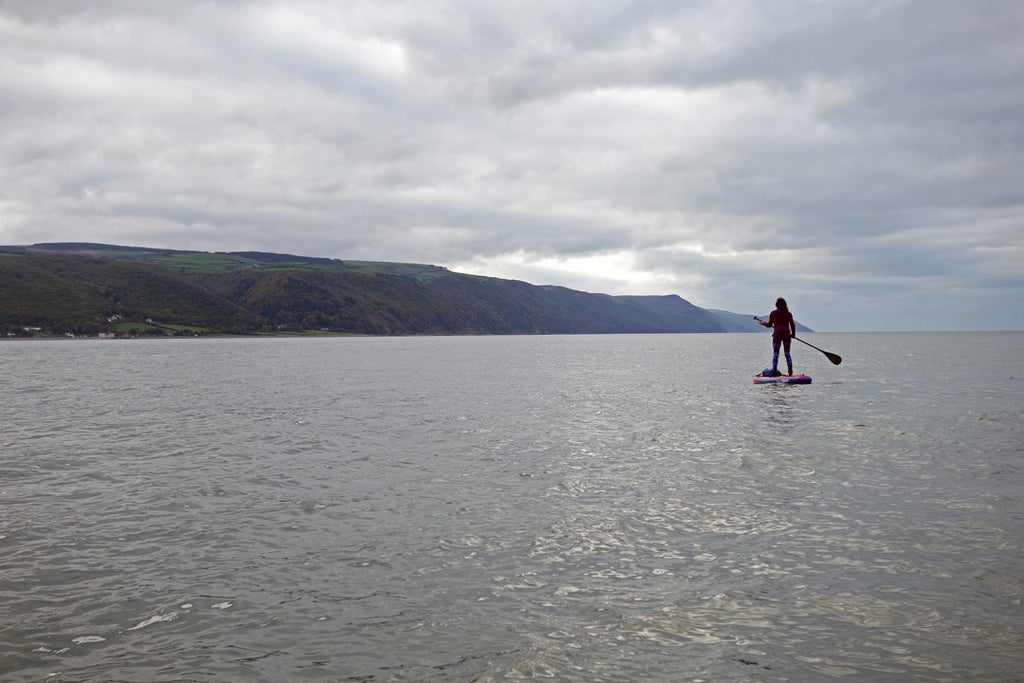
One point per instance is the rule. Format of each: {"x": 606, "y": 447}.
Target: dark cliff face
{"x": 84, "y": 288}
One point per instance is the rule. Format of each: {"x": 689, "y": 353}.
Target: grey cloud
{"x": 829, "y": 150}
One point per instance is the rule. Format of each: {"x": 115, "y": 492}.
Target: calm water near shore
{"x": 572, "y": 508}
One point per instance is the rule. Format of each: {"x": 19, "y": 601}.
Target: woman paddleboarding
{"x": 783, "y": 332}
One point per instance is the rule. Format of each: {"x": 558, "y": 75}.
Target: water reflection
{"x": 779, "y": 402}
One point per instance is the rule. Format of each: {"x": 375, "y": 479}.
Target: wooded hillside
{"x": 89, "y": 289}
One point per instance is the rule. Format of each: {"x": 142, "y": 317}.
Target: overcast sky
{"x": 862, "y": 158}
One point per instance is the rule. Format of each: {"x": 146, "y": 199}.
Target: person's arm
{"x": 792, "y": 326}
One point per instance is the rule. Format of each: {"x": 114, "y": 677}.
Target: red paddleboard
{"x": 783, "y": 379}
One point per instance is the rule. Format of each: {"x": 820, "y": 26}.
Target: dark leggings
{"x": 785, "y": 343}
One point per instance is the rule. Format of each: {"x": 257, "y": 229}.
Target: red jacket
{"x": 783, "y": 324}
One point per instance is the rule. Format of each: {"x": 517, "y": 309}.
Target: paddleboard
{"x": 784, "y": 379}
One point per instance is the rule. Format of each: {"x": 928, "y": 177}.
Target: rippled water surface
{"x": 600, "y": 508}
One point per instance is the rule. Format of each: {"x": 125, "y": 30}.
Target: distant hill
{"x": 677, "y": 314}
{"x": 90, "y": 289}
{"x": 85, "y": 296}
{"x": 736, "y": 322}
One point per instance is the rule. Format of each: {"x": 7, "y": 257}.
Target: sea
{"x": 554, "y": 508}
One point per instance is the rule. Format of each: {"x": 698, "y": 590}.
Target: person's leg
{"x": 775, "y": 354}
{"x": 789, "y": 358}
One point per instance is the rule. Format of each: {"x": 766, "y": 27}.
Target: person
{"x": 783, "y": 330}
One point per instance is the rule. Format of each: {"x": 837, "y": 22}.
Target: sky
{"x": 863, "y": 159}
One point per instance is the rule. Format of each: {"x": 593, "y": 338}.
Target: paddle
{"x": 834, "y": 357}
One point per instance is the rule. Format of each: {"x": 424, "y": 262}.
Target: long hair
{"x": 780, "y": 304}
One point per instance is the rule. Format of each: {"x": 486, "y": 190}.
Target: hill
{"x": 86, "y": 288}
{"x": 85, "y": 296}
{"x": 736, "y": 322}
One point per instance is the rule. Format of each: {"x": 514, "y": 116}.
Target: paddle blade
{"x": 834, "y": 357}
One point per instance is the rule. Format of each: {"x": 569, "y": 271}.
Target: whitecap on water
{"x": 88, "y": 639}
{"x": 170, "y": 616}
